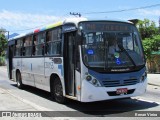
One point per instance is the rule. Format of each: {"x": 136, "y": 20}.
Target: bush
{"x": 2, "y": 61}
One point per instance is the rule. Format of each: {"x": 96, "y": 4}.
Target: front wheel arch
{"x": 57, "y": 89}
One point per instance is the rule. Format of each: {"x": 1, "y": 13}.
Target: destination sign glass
{"x": 105, "y": 26}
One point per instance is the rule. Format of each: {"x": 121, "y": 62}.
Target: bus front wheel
{"x": 57, "y": 91}
{"x": 19, "y": 80}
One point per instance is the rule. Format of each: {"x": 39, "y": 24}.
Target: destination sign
{"x": 68, "y": 28}
{"x": 105, "y": 26}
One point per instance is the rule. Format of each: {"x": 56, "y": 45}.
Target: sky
{"x": 22, "y": 16}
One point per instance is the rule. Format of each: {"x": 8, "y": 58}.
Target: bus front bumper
{"x": 90, "y": 93}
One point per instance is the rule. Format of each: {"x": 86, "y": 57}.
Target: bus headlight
{"x": 94, "y": 81}
{"x": 88, "y": 78}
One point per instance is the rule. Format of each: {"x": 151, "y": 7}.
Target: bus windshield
{"x": 111, "y": 46}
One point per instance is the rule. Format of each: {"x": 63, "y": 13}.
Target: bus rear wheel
{"x": 57, "y": 91}
{"x": 19, "y": 80}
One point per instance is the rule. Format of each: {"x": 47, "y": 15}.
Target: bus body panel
{"x": 35, "y": 72}
{"x": 78, "y": 85}
{"x": 91, "y": 93}
{"x": 17, "y": 65}
{"x": 54, "y": 65}
{"x": 37, "y": 66}
{"x": 27, "y": 73}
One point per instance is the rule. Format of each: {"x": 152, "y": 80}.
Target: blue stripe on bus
{"x": 31, "y": 66}
{"x": 117, "y": 76}
{"x": 61, "y": 68}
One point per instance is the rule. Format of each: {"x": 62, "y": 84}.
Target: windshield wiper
{"x": 123, "y": 49}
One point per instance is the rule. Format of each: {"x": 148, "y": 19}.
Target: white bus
{"x": 80, "y": 59}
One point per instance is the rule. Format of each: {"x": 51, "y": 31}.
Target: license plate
{"x": 122, "y": 90}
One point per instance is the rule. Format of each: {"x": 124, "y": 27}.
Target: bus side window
{"x": 48, "y": 42}
{"x": 27, "y": 46}
{"x": 54, "y": 39}
{"x": 18, "y": 48}
{"x": 39, "y": 44}
{"x": 53, "y": 42}
{"x": 34, "y": 45}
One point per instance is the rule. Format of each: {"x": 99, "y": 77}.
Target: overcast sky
{"x": 22, "y": 16}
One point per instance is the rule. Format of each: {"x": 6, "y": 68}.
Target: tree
{"x": 3, "y": 44}
{"x": 147, "y": 28}
{"x": 149, "y": 35}
{"x": 151, "y": 42}
{"x": 150, "y": 45}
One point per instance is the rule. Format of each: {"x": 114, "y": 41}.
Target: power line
{"x": 124, "y": 10}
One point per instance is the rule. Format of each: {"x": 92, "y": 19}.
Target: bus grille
{"x": 114, "y": 83}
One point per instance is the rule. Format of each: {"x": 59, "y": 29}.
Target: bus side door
{"x": 69, "y": 63}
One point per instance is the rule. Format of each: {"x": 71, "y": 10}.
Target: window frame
{"x": 24, "y": 47}
{"x": 59, "y": 32}
{"x": 52, "y": 41}
{"x": 19, "y": 47}
{"x": 38, "y": 44}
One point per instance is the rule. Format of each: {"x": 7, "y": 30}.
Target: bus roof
{"x": 66, "y": 21}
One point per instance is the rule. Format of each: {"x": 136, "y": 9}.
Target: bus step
{"x": 71, "y": 97}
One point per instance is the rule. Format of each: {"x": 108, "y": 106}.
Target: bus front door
{"x": 69, "y": 63}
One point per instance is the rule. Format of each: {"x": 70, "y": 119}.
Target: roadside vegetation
{"x": 3, "y": 46}
{"x": 150, "y": 35}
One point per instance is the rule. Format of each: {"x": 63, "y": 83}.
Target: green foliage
{"x": 3, "y": 45}
{"x": 150, "y": 38}
{"x": 147, "y": 28}
{"x": 147, "y": 43}
{"x": 2, "y": 60}
{"x": 150, "y": 45}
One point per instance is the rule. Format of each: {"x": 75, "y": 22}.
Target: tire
{"x": 57, "y": 91}
{"x": 19, "y": 80}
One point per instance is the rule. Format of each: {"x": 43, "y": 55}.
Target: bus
{"x": 81, "y": 59}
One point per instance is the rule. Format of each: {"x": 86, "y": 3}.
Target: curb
{"x": 153, "y": 84}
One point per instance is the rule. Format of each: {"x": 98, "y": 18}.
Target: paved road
{"x": 32, "y": 99}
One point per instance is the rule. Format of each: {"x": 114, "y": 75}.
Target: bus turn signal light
{"x": 79, "y": 87}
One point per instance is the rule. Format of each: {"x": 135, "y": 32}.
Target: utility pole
{"x": 75, "y": 14}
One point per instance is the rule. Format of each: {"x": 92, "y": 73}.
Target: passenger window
{"x": 18, "y": 48}
{"x": 53, "y": 42}
{"x": 38, "y": 44}
{"x": 27, "y": 46}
